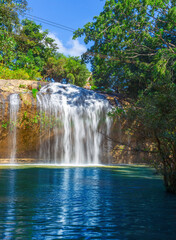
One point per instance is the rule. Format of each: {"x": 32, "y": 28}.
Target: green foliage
{"x": 39, "y": 87}
{"x": 134, "y": 44}
{"x": 76, "y": 71}
{"x": 6, "y": 73}
{"x": 93, "y": 87}
{"x": 4, "y": 124}
{"x": 9, "y": 13}
{"x": 22, "y": 86}
{"x": 34, "y": 47}
{"x": 7, "y": 46}
{"x": 135, "y": 50}
{"x": 117, "y": 112}
{"x": 70, "y": 68}
{"x": 9, "y": 23}
{"x": 155, "y": 112}
{"x": 28, "y": 53}
{"x": 39, "y": 118}
{"x": 34, "y": 92}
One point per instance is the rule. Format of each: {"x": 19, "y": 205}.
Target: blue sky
{"x": 72, "y": 13}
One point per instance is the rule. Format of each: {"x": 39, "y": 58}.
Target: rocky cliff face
{"x": 26, "y": 130}
{"x": 22, "y": 135}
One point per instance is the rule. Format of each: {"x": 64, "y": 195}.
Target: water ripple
{"x": 85, "y": 203}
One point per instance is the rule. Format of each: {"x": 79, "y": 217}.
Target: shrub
{"x": 22, "y": 86}
{"x": 34, "y": 75}
{"x": 39, "y": 87}
{"x": 20, "y": 74}
{"x": 6, "y": 73}
{"x": 94, "y": 87}
{"x": 34, "y": 92}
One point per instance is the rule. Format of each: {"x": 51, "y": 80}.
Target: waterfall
{"x": 76, "y": 118}
{"x": 2, "y": 106}
{"x": 14, "y": 108}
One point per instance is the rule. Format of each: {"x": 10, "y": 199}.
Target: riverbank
{"x": 120, "y": 167}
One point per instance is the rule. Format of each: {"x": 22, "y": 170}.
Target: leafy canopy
{"x": 133, "y": 42}
{"x": 26, "y": 51}
{"x": 134, "y": 49}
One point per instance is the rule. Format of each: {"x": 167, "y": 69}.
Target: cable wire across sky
{"x": 54, "y": 24}
{"x": 63, "y": 27}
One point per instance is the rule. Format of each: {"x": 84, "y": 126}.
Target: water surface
{"x": 85, "y": 203}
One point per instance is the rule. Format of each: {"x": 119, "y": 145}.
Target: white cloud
{"x": 72, "y": 47}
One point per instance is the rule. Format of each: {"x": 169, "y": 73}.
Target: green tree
{"x": 7, "y": 48}
{"x": 134, "y": 48}
{"x": 129, "y": 39}
{"x": 9, "y": 13}
{"x": 9, "y": 24}
{"x": 70, "y": 68}
{"x": 34, "y": 47}
{"x": 54, "y": 68}
{"x": 76, "y": 71}
{"x": 153, "y": 116}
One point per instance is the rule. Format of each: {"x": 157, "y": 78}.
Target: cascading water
{"x": 14, "y": 108}
{"x": 80, "y": 115}
{"x": 2, "y": 106}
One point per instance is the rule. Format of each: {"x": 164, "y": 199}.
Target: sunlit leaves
{"x": 134, "y": 46}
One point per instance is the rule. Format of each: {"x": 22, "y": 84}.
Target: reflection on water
{"x": 85, "y": 203}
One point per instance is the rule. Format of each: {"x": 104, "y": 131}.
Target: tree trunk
{"x": 170, "y": 182}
